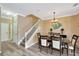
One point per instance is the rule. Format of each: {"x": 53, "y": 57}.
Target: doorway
{"x": 6, "y": 31}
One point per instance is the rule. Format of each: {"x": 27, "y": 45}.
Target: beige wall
{"x": 70, "y": 24}
{"x": 44, "y": 27}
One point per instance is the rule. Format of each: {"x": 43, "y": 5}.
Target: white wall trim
{"x": 66, "y": 15}
{"x": 73, "y": 14}
{"x": 30, "y": 45}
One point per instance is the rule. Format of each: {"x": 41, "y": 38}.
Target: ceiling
{"x": 42, "y": 10}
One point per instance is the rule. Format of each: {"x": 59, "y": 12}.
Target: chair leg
{"x": 40, "y": 49}
{"x": 62, "y": 50}
{"x": 60, "y": 53}
{"x": 51, "y": 51}
{"x": 47, "y": 50}
{"x": 67, "y": 50}
{"x": 74, "y": 52}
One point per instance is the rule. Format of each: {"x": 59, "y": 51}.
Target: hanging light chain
{"x": 54, "y": 15}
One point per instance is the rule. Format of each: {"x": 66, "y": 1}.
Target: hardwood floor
{"x": 11, "y": 49}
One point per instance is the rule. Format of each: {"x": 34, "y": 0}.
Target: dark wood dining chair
{"x": 72, "y": 44}
{"x": 44, "y": 42}
{"x": 63, "y": 37}
{"x": 56, "y": 42}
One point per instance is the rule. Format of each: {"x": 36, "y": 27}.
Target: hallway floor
{"x": 11, "y": 49}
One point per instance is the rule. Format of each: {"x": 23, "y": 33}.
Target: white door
{"x": 4, "y": 31}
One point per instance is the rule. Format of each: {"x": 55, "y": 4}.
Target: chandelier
{"x": 54, "y": 23}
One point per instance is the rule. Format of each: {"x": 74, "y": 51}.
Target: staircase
{"x": 29, "y": 34}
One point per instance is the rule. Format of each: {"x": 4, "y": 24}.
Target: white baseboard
{"x": 30, "y": 45}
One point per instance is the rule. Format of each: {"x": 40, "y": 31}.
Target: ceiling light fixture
{"x": 54, "y": 19}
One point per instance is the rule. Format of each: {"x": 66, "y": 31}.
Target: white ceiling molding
{"x": 69, "y": 15}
